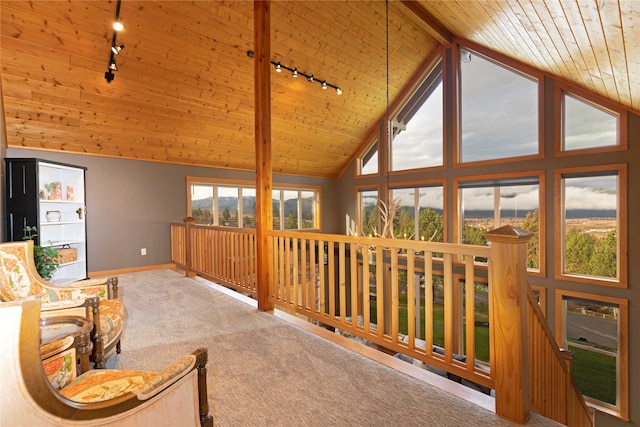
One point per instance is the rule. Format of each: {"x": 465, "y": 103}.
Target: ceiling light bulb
{"x": 339, "y": 91}
{"x": 278, "y": 69}
{"x": 294, "y": 73}
{"x": 118, "y": 26}
{"x": 116, "y": 49}
{"x": 324, "y": 85}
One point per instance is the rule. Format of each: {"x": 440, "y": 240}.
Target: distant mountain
{"x": 231, "y": 203}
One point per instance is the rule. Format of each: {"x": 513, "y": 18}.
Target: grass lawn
{"x": 481, "y": 332}
{"x": 595, "y": 374}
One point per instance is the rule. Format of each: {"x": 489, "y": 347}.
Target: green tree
{"x": 291, "y": 222}
{"x": 431, "y": 225}
{"x": 226, "y": 214}
{"x": 403, "y": 225}
{"x": 603, "y": 263}
{"x": 474, "y": 235}
{"x": 370, "y": 222}
{"x": 531, "y": 223}
{"x": 578, "y": 250}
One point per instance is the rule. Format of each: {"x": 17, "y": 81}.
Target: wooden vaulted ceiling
{"x": 184, "y": 89}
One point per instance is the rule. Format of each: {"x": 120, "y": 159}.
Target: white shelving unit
{"x": 50, "y": 196}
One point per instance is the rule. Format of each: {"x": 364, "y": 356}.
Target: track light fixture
{"x": 295, "y": 73}
{"x": 115, "y": 47}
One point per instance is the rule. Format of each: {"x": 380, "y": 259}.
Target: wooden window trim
{"x": 621, "y": 239}
{"x": 507, "y": 63}
{"x": 457, "y": 230}
{"x": 358, "y": 190}
{"x": 427, "y": 183}
{"x": 597, "y": 102}
{"x": 622, "y": 372}
{"x": 191, "y": 180}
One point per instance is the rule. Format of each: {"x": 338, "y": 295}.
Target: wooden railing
{"x": 553, "y": 390}
{"x": 225, "y": 255}
{"x": 352, "y": 284}
{"x": 365, "y": 287}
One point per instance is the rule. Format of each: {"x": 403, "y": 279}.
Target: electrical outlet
{"x": 143, "y": 251}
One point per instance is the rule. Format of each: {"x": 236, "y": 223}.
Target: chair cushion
{"x": 103, "y": 384}
{"x": 60, "y": 369}
{"x": 15, "y": 283}
{"x": 111, "y": 320}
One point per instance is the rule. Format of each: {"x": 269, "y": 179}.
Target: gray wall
{"x": 131, "y": 203}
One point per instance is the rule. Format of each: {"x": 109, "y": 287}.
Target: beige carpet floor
{"x": 264, "y": 371}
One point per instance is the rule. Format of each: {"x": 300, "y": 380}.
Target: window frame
{"x": 621, "y": 409}
{"x": 420, "y": 184}
{"x": 411, "y": 103}
{"x": 358, "y": 197}
{"x": 221, "y": 182}
{"x": 621, "y": 208}
{"x": 540, "y": 175}
{"x": 596, "y": 102}
{"x": 374, "y": 144}
{"x": 509, "y": 64}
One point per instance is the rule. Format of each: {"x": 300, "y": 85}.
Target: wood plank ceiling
{"x": 183, "y": 92}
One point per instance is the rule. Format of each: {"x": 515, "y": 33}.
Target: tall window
{"x": 590, "y": 220}
{"x": 498, "y": 113}
{"x": 368, "y": 208}
{"x": 418, "y": 127}
{"x": 492, "y": 203}
{"x": 235, "y": 206}
{"x": 419, "y": 213}
{"x": 591, "y": 327}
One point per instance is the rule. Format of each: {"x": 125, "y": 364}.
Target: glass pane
{"x": 308, "y": 209}
{"x": 404, "y": 222}
{"x": 486, "y": 208}
{"x": 248, "y": 208}
{"x": 418, "y": 142}
{"x": 499, "y": 111}
{"x": 430, "y": 214}
{"x": 290, "y": 210}
{"x": 202, "y": 204}
{"x": 228, "y": 206}
{"x": 276, "y": 209}
{"x": 592, "y": 334}
{"x": 586, "y": 126}
{"x": 590, "y": 226}
{"x": 481, "y": 319}
{"x": 369, "y": 212}
{"x": 369, "y": 162}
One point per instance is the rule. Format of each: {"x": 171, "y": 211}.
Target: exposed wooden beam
{"x": 437, "y": 30}
{"x": 264, "y": 179}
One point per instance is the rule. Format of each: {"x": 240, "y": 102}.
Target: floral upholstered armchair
{"x": 105, "y": 397}
{"x": 95, "y": 299}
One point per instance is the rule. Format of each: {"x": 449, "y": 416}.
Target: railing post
{"x": 188, "y": 222}
{"x": 509, "y": 321}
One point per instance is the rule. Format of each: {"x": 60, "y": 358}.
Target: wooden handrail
{"x": 337, "y": 280}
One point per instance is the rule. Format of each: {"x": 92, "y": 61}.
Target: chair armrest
{"x": 110, "y": 283}
{"x": 54, "y": 347}
{"x": 58, "y": 305}
{"x": 165, "y": 378}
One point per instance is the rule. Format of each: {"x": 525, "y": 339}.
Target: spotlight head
{"x": 113, "y": 66}
{"x": 108, "y": 76}
{"x": 324, "y": 85}
{"x": 310, "y": 78}
{"x": 339, "y": 91}
{"x": 278, "y": 68}
{"x": 294, "y": 73}
{"x": 118, "y": 26}
{"x": 116, "y": 49}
